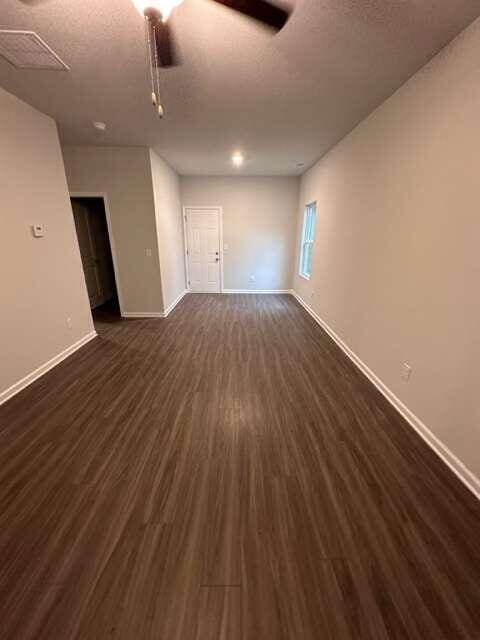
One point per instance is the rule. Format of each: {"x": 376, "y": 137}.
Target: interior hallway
{"x": 226, "y": 473}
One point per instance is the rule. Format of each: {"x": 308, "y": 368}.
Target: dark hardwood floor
{"x": 228, "y": 474}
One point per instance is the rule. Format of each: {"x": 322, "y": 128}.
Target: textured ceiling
{"x": 283, "y": 100}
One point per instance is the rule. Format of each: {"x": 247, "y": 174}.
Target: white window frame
{"x": 309, "y": 241}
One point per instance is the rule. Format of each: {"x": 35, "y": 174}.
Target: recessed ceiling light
{"x": 99, "y": 126}
{"x": 237, "y": 159}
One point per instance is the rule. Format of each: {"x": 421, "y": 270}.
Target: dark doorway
{"x": 96, "y": 252}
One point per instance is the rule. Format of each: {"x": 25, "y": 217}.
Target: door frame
{"x": 220, "y": 238}
{"x": 103, "y": 196}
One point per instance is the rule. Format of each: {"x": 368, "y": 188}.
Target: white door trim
{"x": 103, "y": 195}
{"x": 220, "y": 238}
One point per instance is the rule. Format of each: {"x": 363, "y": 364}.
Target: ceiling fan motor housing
{"x": 153, "y": 15}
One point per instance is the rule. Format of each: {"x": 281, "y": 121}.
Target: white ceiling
{"x": 282, "y": 100}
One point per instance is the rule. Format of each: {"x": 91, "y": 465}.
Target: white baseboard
{"x": 154, "y": 314}
{"x": 171, "y": 307}
{"x": 24, "y": 382}
{"x": 468, "y": 478}
{"x": 142, "y": 314}
{"x": 258, "y": 291}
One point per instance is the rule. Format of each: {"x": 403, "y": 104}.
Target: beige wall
{"x": 259, "y": 222}
{"x": 396, "y": 266}
{"x": 123, "y": 173}
{"x": 42, "y": 282}
{"x": 168, "y": 214}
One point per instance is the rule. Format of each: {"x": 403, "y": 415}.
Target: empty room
{"x": 240, "y": 311}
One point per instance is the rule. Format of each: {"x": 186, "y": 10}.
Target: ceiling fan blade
{"x": 164, "y": 44}
{"x": 268, "y": 14}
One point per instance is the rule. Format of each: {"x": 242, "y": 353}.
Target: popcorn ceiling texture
{"x": 283, "y": 100}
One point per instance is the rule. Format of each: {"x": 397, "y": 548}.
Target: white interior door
{"x": 203, "y": 249}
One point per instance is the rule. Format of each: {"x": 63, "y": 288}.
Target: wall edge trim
{"x": 172, "y": 306}
{"x": 467, "y": 477}
{"x": 46, "y": 366}
{"x": 258, "y": 291}
{"x": 142, "y": 314}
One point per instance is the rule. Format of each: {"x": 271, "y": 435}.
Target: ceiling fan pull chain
{"x": 160, "y": 110}
{"x": 148, "y": 38}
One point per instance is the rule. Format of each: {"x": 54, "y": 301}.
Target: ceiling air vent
{"x": 26, "y": 50}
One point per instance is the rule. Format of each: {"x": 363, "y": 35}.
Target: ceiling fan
{"x": 159, "y": 38}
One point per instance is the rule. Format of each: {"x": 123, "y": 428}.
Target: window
{"x": 308, "y": 238}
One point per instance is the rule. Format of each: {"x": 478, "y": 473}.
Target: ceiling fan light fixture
{"x": 160, "y": 41}
{"x": 164, "y": 7}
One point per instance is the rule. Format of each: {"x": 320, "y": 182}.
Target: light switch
{"x": 38, "y": 230}
{"x": 148, "y": 253}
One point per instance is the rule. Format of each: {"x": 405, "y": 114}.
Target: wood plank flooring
{"x": 226, "y": 474}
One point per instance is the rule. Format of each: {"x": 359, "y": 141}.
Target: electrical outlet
{"x": 148, "y": 253}
{"x": 406, "y": 372}
{"x": 69, "y": 323}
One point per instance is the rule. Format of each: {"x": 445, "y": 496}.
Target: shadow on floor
{"x": 107, "y": 312}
